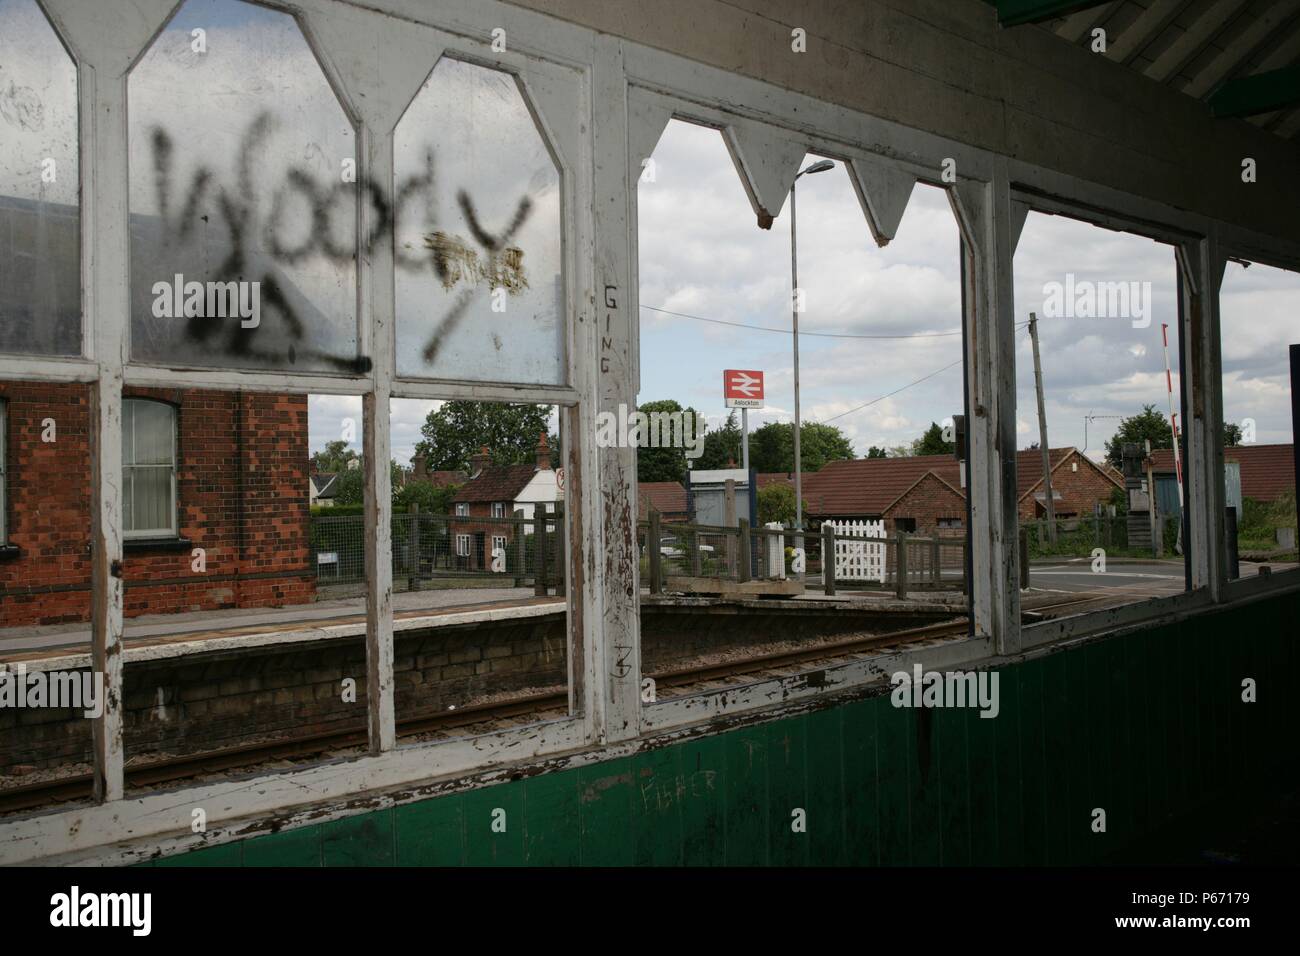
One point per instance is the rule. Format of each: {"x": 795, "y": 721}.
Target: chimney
{"x": 418, "y": 464}
{"x": 543, "y": 454}
{"x": 478, "y": 462}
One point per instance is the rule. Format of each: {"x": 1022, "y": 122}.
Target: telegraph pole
{"x": 1042, "y": 431}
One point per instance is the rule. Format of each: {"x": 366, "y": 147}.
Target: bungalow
{"x": 926, "y": 494}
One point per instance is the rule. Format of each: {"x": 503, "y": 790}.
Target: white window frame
{"x": 498, "y": 541}
{"x": 600, "y": 276}
{"x": 462, "y": 509}
{"x": 498, "y": 509}
{"x": 462, "y": 546}
{"x": 128, "y": 476}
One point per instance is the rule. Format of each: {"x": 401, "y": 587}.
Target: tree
{"x": 334, "y": 457}
{"x": 667, "y": 464}
{"x": 1231, "y": 434}
{"x": 432, "y": 499}
{"x": 933, "y": 442}
{"x": 722, "y": 445}
{"x": 776, "y": 503}
{"x": 350, "y": 487}
{"x": 771, "y": 448}
{"x": 458, "y": 429}
{"x": 874, "y": 452}
{"x": 1149, "y": 424}
{"x": 900, "y": 451}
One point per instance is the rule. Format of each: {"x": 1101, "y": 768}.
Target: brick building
{"x": 924, "y": 494}
{"x": 220, "y": 471}
{"x": 492, "y": 495}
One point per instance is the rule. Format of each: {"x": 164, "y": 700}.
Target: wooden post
{"x": 653, "y": 552}
{"x": 561, "y": 551}
{"x": 413, "y": 547}
{"x": 935, "y": 577}
{"x": 520, "y": 525}
{"x": 729, "y": 519}
{"x": 828, "y": 558}
{"x": 900, "y": 565}
{"x": 539, "y": 549}
{"x": 1024, "y": 558}
{"x": 745, "y": 567}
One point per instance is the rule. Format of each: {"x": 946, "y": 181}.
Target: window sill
{"x": 138, "y": 545}
{"x": 9, "y": 552}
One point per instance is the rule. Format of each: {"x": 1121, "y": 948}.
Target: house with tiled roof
{"x": 1267, "y": 471}
{"x": 927, "y": 493}
{"x": 666, "y": 497}
{"x": 494, "y": 493}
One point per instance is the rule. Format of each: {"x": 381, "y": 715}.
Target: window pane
{"x": 154, "y": 429}
{"x": 243, "y": 246}
{"x": 151, "y": 492}
{"x": 40, "y": 269}
{"x": 479, "y": 287}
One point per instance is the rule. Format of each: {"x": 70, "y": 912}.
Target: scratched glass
{"x": 243, "y": 198}
{"x": 40, "y": 251}
{"x": 480, "y": 291}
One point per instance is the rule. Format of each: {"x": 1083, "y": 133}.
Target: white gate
{"x": 859, "y": 560}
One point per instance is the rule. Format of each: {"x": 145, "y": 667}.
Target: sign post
{"x": 743, "y": 389}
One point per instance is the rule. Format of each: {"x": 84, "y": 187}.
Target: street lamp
{"x": 818, "y": 167}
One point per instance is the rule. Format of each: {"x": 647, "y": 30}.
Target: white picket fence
{"x": 859, "y": 560}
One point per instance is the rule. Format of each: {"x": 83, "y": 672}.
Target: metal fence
{"x": 447, "y": 551}
{"x": 687, "y": 555}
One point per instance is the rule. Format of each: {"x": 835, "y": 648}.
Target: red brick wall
{"x": 241, "y": 494}
{"x": 927, "y": 501}
{"x": 1078, "y": 491}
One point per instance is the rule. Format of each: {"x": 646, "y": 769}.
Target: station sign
{"x": 742, "y": 388}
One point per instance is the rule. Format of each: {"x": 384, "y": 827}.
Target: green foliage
{"x": 350, "y": 487}
{"x": 667, "y": 464}
{"x": 1257, "y": 526}
{"x": 933, "y": 442}
{"x": 776, "y": 503}
{"x": 771, "y": 448}
{"x": 432, "y": 500}
{"x": 874, "y": 452}
{"x": 458, "y": 429}
{"x": 722, "y": 445}
{"x": 1147, "y": 424}
{"x": 334, "y": 457}
{"x": 1231, "y": 434}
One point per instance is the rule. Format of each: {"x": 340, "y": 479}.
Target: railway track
{"x": 171, "y": 770}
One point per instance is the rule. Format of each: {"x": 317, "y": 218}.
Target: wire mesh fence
{"x": 446, "y": 551}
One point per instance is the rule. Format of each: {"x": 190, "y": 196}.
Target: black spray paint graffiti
{"x": 236, "y": 207}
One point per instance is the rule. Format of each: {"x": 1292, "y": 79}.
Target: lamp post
{"x": 818, "y": 167}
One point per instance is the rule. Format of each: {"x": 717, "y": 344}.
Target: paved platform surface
{"x": 196, "y": 625}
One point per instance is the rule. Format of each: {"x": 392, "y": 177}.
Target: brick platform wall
{"x": 241, "y": 486}
{"x": 206, "y": 702}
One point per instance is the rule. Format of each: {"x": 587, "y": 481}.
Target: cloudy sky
{"x": 702, "y": 255}
{"x": 879, "y": 350}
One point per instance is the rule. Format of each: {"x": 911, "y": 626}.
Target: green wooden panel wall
{"x": 1149, "y": 727}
